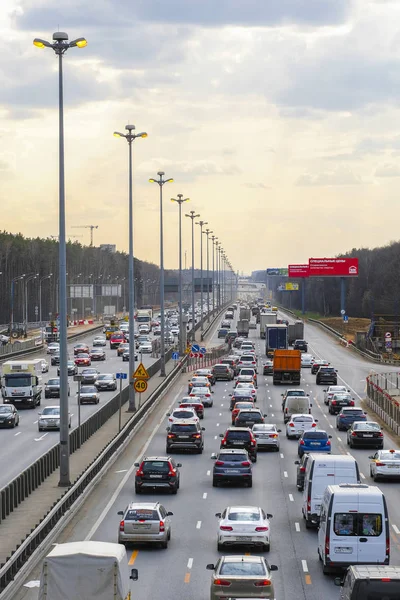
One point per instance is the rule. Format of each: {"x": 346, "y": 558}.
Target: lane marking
{"x": 270, "y": 405}
{"x": 285, "y": 473}
{"x": 34, "y": 422}
{"x": 349, "y": 453}
{"x": 272, "y": 415}
{"x": 204, "y": 495}
{"x": 187, "y": 578}
{"x": 396, "y": 529}
{"x": 339, "y": 439}
{"x": 304, "y": 565}
{"x": 220, "y": 415}
{"x": 331, "y": 426}
{"x": 121, "y": 471}
{"x": 198, "y": 525}
{"x": 282, "y": 456}
{"x": 133, "y": 557}
{"x": 215, "y": 437}
{"x": 190, "y": 563}
{"x": 308, "y": 579}
{"x": 208, "y": 473}
{"x": 42, "y": 437}
{"x": 222, "y": 405}
{"x": 297, "y": 527}
{"x": 19, "y": 433}
{"x": 217, "y": 424}
{"x": 362, "y": 475}
{"x": 291, "y": 498}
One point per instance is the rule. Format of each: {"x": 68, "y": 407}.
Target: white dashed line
{"x": 208, "y": 473}
{"x": 331, "y": 426}
{"x": 217, "y": 424}
{"x": 19, "y": 433}
{"x": 204, "y": 495}
{"x": 339, "y": 439}
{"x": 291, "y": 498}
{"x": 222, "y": 405}
{"x": 282, "y": 456}
{"x": 270, "y": 405}
{"x": 297, "y": 527}
{"x": 190, "y": 563}
{"x": 304, "y": 565}
{"x": 215, "y": 437}
{"x": 220, "y": 415}
{"x": 285, "y": 473}
{"x": 198, "y": 525}
{"x": 349, "y": 453}
{"x": 396, "y": 529}
{"x": 362, "y": 475}
{"x": 272, "y": 415}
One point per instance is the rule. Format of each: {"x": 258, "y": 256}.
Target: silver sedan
{"x": 244, "y": 576}
{"x": 267, "y": 436}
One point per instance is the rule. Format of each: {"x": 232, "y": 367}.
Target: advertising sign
{"x": 299, "y": 271}
{"x": 333, "y": 267}
{"x": 279, "y": 272}
{"x": 292, "y": 287}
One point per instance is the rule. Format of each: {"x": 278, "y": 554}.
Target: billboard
{"x": 299, "y": 271}
{"x": 279, "y": 272}
{"x": 288, "y": 287}
{"x": 333, "y": 267}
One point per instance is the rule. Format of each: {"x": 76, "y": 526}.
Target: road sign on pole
{"x": 195, "y": 348}
{"x": 203, "y": 350}
{"x": 140, "y": 385}
{"x": 121, "y": 375}
{"x": 141, "y": 372}
{"x": 175, "y": 356}
{"x": 345, "y": 318}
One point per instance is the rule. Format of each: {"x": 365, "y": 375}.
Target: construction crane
{"x": 91, "y": 227}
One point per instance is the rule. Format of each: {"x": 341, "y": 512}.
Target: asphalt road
{"x": 179, "y": 572}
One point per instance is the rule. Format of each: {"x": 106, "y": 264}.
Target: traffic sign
{"x": 388, "y": 335}
{"x": 203, "y": 350}
{"x": 201, "y": 355}
{"x": 175, "y": 356}
{"x": 121, "y": 375}
{"x": 140, "y": 385}
{"x": 345, "y": 318}
{"x": 141, "y": 372}
{"x": 187, "y": 350}
{"x": 195, "y": 348}
{"x": 342, "y": 312}
{"x": 194, "y": 354}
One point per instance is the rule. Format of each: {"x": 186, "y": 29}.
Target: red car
{"x": 83, "y": 360}
{"x": 81, "y": 348}
{"x": 116, "y": 339}
{"x": 193, "y": 403}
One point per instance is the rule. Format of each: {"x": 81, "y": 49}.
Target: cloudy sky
{"x": 279, "y": 119}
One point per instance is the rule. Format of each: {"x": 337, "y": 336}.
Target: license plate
{"x": 237, "y": 442}
{"x": 368, "y": 435}
{"x": 183, "y": 437}
{"x": 262, "y": 435}
{"x": 300, "y": 431}
{"x": 17, "y": 399}
{"x": 392, "y": 466}
{"x": 141, "y": 526}
{"x": 315, "y": 444}
{"x": 343, "y": 550}
{"x": 233, "y": 471}
{"x": 244, "y": 538}
{"x": 317, "y": 507}
{"x": 155, "y": 476}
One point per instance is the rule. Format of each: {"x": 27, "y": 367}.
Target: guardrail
{"x": 383, "y": 397}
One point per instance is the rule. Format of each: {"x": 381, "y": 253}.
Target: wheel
{"x": 174, "y": 490}
{"x": 326, "y": 570}
{"x": 308, "y": 524}
{"x": 351, "y": 445}
{"x": 254, "y": 459}
{"x": 169, "y": 535}
{"x": 200, "y": 451}
{"x": 137, "y": 490}
{"x": 17, "y": 423}
{"x": 375, "y": 477}
{"x": 215, "y": 483}
{"x": 250, "y": 483}
{"x": 40, "y": 429}
{"x": 319, "y": 555}
{"x": 164, "y": 545}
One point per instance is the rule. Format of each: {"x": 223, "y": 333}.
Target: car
{"x": 174, "y": 331}
{"x": 300, "y": 345}
{"x": 157, "y": 331}
{"x": 339, "y": 401}
{"x": 198, "y": 381}
{"x": 203, "y": 394}
{"x": 226, "y": 324}
{"x": 314, "y": 441}
{"x": 205, "y": 373}
{"x": 116, "y": 339}
{"x": 144, "y": 329}
{"x": 240, "y": 437}
{"x": 238, "y": 341}
{"x": 246, "y": 386}
{"x": 301, "y": 471}
{"x": 247, "y": 417}
{"x": 55, "y": 359}
{"x": 81, "y": 349}
{"x": 318, "y": 362}
{"x": 83, "y": 360}
{"x": 182, "y": 413}
{"x": 240, "y": 406}
{"x": 88, "y": 394}
{"x": 334, "y": 389}
{"x": 97, "y": 354}
{"x": 252, "y": 325}
{"x": 105, "y": 382}
{"x": 247, "y": 346}
{"x": 100, "y": 340}
{"x": 385, "y": 464}
{"x": 364, "y": 434}
{"x": 52, "y": 388}
{"x": 247, "y": 360}
{"x": 146, "y": 522}
{"x": 221, "y": 371}
{"x": 298, "y": 424}
{"x": 245, "y": 576}
{"x": 193, "y": 402}
{"x": 326, "y": 375}
{"x": 49, "y": 418}
{"x": 157, "y": 472}
{"x": 222, "y": 332}
{"x": 110, "y": 330}
{"x": 232, "y": 465}
{"x": 232, "y": 362}
{"x": 291, "y": 392}
{"x": 244, "y": 379}
{"x": 169, "y": 338}
{"x": 240, "y": 394}
{"x": 249, "y": 371}
{"x": 306, "y": 361}
{"x": 268, "y": 367}
{"x": 244, "y": 526}
{"x": 145, "y": 348}
{"x": 72, "y": 368}
{"x": 125, "y": 355}
{"x": 267, "y": 436}
{"x": 347, "y": 416}
{"x": 45, "y": 365}
{"x": 89, "y": 375}
{"x": 185, "y": 435}
{"x": 9, "y": 416}
{"x": 53, "y": 347}
{"x": 230, "y": 337}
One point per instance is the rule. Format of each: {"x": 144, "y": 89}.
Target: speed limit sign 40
{"x": 140, "y": 385}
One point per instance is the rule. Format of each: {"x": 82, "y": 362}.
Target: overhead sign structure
{"x": 278, "y": 272}
{"x": 140, "y": 385}
{"x": 333, "y": 267}
{"x": 141, "y": 372}
{"x": 299, "y": 271}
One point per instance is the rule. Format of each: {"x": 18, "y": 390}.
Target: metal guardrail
{"x": 383, "y": 397}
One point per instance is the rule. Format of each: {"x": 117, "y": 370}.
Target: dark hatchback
{"x": 339, "y": 401}
{"x": 222, "y": 372}
{"x": 240, "y": 437}
{"x": 240, "y": 395}
{"x": 365, "y": 435}
{"x": 300, "y": 345}
{"x": 249, "y": 417}
{"x": 160, "y": 472}
{"x": 72, "y": 368}
{"x": 326, "y": 375}
{"x": 348, "y": 415}
{"x": 185, "y": 436}
{"x": 52, "y": 388}
{"x": 232, "y": 466}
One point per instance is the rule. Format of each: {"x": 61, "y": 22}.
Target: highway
{"x": 179, "y": 572}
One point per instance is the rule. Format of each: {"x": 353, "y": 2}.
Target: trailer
{"x": 266, "y": 318}
{"x": 287, "y": 367}
{"x": 295, "y": 332}
{"x": 275, "y": 339}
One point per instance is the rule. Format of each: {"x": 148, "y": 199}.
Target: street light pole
{"x": 193, "y": 216}
{"x": 29, "y": 278}
{"x": 201, "y": 223}
{"x": 213, "y": 237}
{"x": 40, "y": 303}
{"x": 130, "y": 137}
{"x": 207, "y": 233}
{"x": 161, "y": 182}
{"x": 13, "y": 280}
{"x": 60, "y": 45}
{"x": 180, "y": 200}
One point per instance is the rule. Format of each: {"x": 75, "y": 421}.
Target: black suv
{"x": 185, "y": 435}
{"x": 249, "y": 417}
{"x": 52, "y": 388}
{"x": 326, "y": 375}
{"x": 160, "y": 472}
{"x": 300, "y": 345}
{"x": 240, "y": 437}
{"x": 232, "y": 466}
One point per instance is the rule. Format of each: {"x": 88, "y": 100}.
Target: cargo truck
{"x": 266, "y": 318}
{"x": 245, "y": 313}
{"x": 86, "y": 571}
{"x": 286, "y": 367}
{"x": 144, "y": 316}
{"x": 275, "y": 339}
{"x": 21, "y": 383}
{"x": 243, "y": 327}
{"x": 295, "y": 332}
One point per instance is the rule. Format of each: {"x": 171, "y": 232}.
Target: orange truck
{"x": 286, "y": 367}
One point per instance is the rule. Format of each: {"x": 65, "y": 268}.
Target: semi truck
{"x": 275, "y": 339}
{"x": 245, "y": 313}
{"x": 21, "y": 383}
{"x": 243, "y": 327}
{"x": 266, "y": 318}
{"x": 295, "y": 332}
{"x": 286, "y": 367}
{"x": 86, "y": 571}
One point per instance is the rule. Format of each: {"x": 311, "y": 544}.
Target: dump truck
{"x": 21, "y": 383}
{"x": 286, "y": 367}
{"x": 275, "y": 339}
{"x": 266, "y": 318}
{"x": 86, "y": 571}
{"x": 243, "y": 327}
{"x": 245, "y": 313}
{"x": 295, "y": 332}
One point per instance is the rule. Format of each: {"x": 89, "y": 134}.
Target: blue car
{"x": 314, "y": 441}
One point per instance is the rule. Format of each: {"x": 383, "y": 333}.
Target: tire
{"x": 169, "y": 535}
{"x": 254, "y": 459}
{"x": 137, "y": 490}
{"x": 250, "y": 483}
{"x": 308, "y": 524}
{"x": 215, "y": 483}
{"x": 40, "y": 429}
{"x": 200, "y": 451}
{"x": 375, "y": 477}
{"x": 326, "y": 570}
{"x": 174, "y": 490}
{"x": 351, "y": 445}
{"x": 164, "y": 545}
{"x": 17, "y": 424}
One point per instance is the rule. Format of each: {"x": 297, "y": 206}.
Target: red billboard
{"x": 299, "y": 270}
{"x": 333, "y": 267}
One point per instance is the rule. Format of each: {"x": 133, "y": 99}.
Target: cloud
{"x": 388, "y": 170}
{"x": 340, "y": 176}
{"x": 257, "y": 186}
{"x": 187, "y": 170}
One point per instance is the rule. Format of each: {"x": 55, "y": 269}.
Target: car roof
{"x": 153, "y": 505}
{"x": 243, "y": 508}
{"x": 232, "y": 450}
{"x": 245, "y": 558}
{"x": 351, "y": 408}
{"x": 159, "y": 458}
{"x": 185, "y": 422}
{"x": 238, "y": 429}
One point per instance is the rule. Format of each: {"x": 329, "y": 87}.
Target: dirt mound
{"x": 348, "y": 329}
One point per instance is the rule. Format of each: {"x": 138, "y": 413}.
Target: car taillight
{"x": 291, "y": 424}
{"x": 245, "y": 463}
{"x": 261, "y": 528}
{"x": 223, "y": 582}
{"x": 162, "y": 526}
{"x": 121, "y": 525}
{"x": 273, "y": 435}
{"x": 333, "y": 402}
{"x": 170, "y": 419}
{"x": 219, "y": 463}
{"x": 207, "y": 395}
{"x": 353, "y": 434}
{"x": 351, "y": 402}
{"x": 328, "y": 443}
{"x": 308, "y": 503}
{"x": 314, "y": 425}
{"x": 139, "y": 472}
{"x": 387, "y": 544}
{"x": 197, "y": 435}
{"x": 327, "y": 542}
{"x": 286, "y": 410}
{"x": 302, "y": 469}
{"x": 171, "y": 435}
{"x": 301, "y": 442}
{"x": 263, "y": 583}
{"x": 226, "y": 528}
{"x": 380, "y": 434}
{"x": 380, "y": 464}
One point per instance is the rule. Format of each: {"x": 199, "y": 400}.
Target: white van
{"x": 321, "y": 471}
{"x": 354, "y": 527}
{"x": 296, "y": 405}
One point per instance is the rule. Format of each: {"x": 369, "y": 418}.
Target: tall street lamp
{"x": 193, "y": 216}
{"x": 130, "y": 137}
{"x": 40, "y": 303}
{"x": 180, "y": 200}
{"x": 217, "y": 260}
{"x": 161, "y": 182}
{"x": 214, "y": 242}
{"x": 207, "y": 233}
{"x": 13, "y": 280}
{"x": 26, "y": 280}
{"x": 60, "y": 45}
{"x": 201, "y": 223}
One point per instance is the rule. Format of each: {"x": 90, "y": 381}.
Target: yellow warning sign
{"x": 141, "y": 372}
{"x": 140, "y": 385}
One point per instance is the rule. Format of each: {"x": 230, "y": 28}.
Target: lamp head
{"x": 130, "y": 127}
{"x": 160, "y": 173}
{"x": 41, "y": 43}
{"x": 142, "y": 135}
{"x": 152, "y": 180}
{"x": 79, "y": 43}
{"x": 118, "y": 134}
{"x": 60, "y": 36}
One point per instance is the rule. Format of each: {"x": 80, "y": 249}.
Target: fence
{"x": 383, "y": 397}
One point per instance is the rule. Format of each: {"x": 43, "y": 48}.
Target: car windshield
{"x": 233, "y": 457}
{"x": 249, "y": 415}
{"x": 352, "y": 413}
{"x": 183, "y": 414}
{"x": 53, "y": 382}
{"x": 240, "y": 405}
{"x": 82, "y": 355}
{"x": 155, "y": 465}
{"x": 105, "y": 376}
{"x": 264, "y": 427}
{"x": 295, "y": 393}
{"x": 242, "y": 392}
{"x": 341, "y": 397}
{"x": 336, "y": 388}
{"x": 244, "y": 515}
{"x": 89, "y": 371}
{"x": 327, "y": 370}
{"x": 390, "y": 455}
{"x": 304, "y": 419}
{"x": 142, "y": 514}
{"x": 315, "y": 435}
{"x": 51, "y": 410}
{"x": 239, "y": 435}
{"x": 5, "y": 409}
{"x": 255, "y": 569}
{"x": 182, "y": 427}
{"x": 368, "y": 426}
{"x": 244, "y": 386}
{"x": 88, "y": 389}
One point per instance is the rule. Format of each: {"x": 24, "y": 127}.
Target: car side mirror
{"x": 372, "y": 456}
{"x": 269, "y": 516}
{"x": 265, "y": 415}
{"x": 330, "y": 437}
{"x": 273, "y": 568}
{"x": 168, "y": 428}
{"x": 121, "y": 513}
{"x": 221, "y": 435}
{"x": 296, "y": 462}
{"x": 168, "y": 414}
{"x": 203, "y": 428}
{"x": 170, "y": 514}
{"x": 136, "y": 465}
{"x": 338, "y": 581}
{"x": 324, "y": 390}
{"x": 213, "y": 456}
{"x": 310, "y": 405}
{"x": 210, "y": 567}
{"x": 316, "y": 420}
{"x": 230, "y": 395}
{"x": 279, "y": 430}
{"x": 39, "y": 413}
{"x": 134, "y": 575}
{"x": 218, "y": 515}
